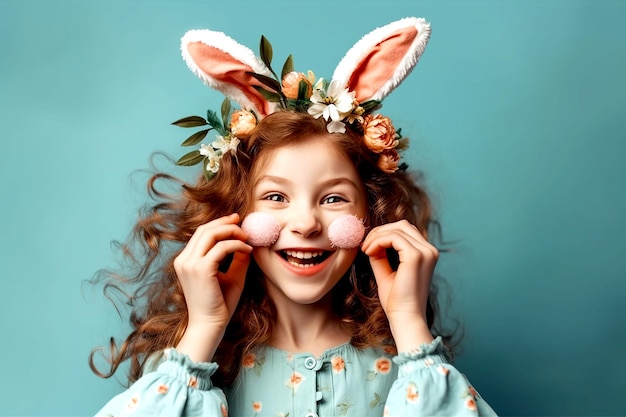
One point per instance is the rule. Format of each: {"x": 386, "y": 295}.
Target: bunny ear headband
{"x": 369, "y": 71}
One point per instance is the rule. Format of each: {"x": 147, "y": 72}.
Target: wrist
{"x": 200, "y": 341}
{"x": 409, "y": 331}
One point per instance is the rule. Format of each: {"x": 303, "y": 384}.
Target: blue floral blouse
{"x": 343, "y": 381}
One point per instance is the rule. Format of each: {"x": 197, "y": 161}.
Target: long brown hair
{"x": 151, "y": 289}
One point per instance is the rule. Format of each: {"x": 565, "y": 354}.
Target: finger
{"x": 235, "y": 277}
{"x": 220, "y": 251}
{"x": 210, "y": 236}
{"x": 411, "y": 253}
{"x": 377, "y": 252}
{"x": 404, "y": 229}
{"x": 201, "y": 230}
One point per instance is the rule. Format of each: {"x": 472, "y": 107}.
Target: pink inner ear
{"x": 379, "y": 65}
{"x": 224, "y": 68}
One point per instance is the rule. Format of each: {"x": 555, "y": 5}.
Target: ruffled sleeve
{"x": 428, "y": 385}
{"x": 177, "y": 387}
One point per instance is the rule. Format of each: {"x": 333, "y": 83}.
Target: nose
{"x": 305, "y": 221}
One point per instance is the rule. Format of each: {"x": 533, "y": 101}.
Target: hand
{"x": 211, "y": 295}
{"x": 404, "y": 292}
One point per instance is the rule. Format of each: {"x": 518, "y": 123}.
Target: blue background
{"x": 516, "y": 113}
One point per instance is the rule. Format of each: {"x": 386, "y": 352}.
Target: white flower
{"x": 212, "y": 157}
{"x": 336, "y": 127}
{"x": 334, "y": 104}
{"x": 234, "y": 142}
{"x": 223, "y": 145}
{"x": 220, "y": 144}
{"x": 206, "y": 150}
{"x": 213, "y": 162}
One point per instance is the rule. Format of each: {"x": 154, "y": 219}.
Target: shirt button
{"x": 309, "y": 363}
{"x": 310, "y": 415}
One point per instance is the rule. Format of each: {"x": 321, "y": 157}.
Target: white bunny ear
{"x": 383, "y": 58}
{"x": 223, "y": 64}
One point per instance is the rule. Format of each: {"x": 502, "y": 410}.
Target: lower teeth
{"x": 299, "y": 265}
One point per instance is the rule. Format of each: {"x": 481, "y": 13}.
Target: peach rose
{"x": 291, "y": 85}
{"x": 242, "y": 123}
{"x": 257, "y": 406}
{"x": 388, "y": 161}
{"x": 379, "y": 133}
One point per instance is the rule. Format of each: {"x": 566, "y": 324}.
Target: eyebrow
{"x": 284, "y": 181}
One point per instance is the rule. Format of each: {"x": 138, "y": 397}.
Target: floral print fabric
{"x": 344, "y": 381}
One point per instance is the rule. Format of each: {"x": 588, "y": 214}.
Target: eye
{"x": 333, "y": 199}
{"x": 275, "y": 197}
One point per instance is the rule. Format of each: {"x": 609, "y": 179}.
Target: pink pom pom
{"x": 262, "y": 228}
{"x": 346, "y": 232}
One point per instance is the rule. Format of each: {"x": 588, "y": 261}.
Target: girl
{"x": 261, "y": 267}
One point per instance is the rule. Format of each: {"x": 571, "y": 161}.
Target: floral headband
{"x": 369, "y": 71}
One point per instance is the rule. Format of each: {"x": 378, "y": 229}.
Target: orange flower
{"x": 379, "y": 133}
{"x": 382, "y": 365}
{"x": 132, "y": 404}
{"x": 472, "y": 391}
{"x": 388, "y": 161}
{"x": 338, "y": 364}
{"x": 193, "y": 382}
{"x": 291, "y": 85}
{"x": 294, "y": 381}
{"x": 249, "y": 360}
{"x": 257, "y": 406}
{"x": 470, "y": 404}
{"x": 411, "y": 393}
{"x": 162, "y": 389}
{"x": 443, "y": 370}
{"x": 223, "y": 410}
{"x": 242, "y": 123}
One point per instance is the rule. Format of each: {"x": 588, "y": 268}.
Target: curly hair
{"x": 151, "y": 288}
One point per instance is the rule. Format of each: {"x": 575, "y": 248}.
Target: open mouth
{"x": 304, "y": 259}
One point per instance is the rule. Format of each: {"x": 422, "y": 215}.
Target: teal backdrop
{"x": 516, "y": 114}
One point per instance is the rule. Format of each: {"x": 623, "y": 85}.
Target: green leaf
{"x": 403, "y": 144}
{"x": 226, "y": 108}
{"x": 191, "y": 158}
{"x": 268, "y": 95}
{"x": 298, "y": 105}
{"x": 191, "y": 121}
{"x": 215, "y": 122}
{"x": 266, "y": 52}
{"x": 195, "y": 138}
{"x": 267, "y": 81}
{"x": 303, "y": 90}
{"x": 287, "y": 67}
{"x": 371, "y": 105}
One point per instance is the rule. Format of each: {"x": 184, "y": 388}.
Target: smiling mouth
{"x": 304, "y": 259}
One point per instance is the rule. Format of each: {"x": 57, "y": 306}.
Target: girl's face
{"x": 306, "y": 186}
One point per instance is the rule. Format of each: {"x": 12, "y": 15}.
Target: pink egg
{"x": 262, "y": 228}
{"x": 346, "y": 232}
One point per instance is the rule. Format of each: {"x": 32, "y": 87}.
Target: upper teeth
{"x": 303, "y": 255}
